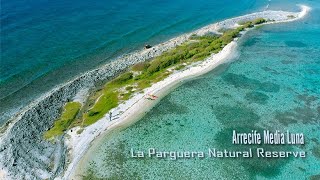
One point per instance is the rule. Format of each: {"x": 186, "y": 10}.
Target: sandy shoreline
{"x": 137, "y": 106}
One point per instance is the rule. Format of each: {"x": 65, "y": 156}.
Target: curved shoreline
{"x": 138, "y": 106}
{"x": 141, "y": 106}
{"x": 47, "y": 107}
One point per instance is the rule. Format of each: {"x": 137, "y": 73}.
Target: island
{"x": 83, "y": 109}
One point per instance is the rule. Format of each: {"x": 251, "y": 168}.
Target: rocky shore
{"x": 25, "y": 154}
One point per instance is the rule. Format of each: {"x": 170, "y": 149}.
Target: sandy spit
{"x": 135, "y": 108}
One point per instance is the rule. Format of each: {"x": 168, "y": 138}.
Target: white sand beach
{"x": 133, "y": 109}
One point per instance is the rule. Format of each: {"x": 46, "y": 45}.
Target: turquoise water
{"x": 273, "y": 84}
{"x": 45, "y": 43}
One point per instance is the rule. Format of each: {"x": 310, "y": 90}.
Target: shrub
{"x": 192, "y": 46}
{"x": 247, "y": 25}
{"x": 124, "y": 77}
{"x": 241, "y": 28}
{"x": 183, "y": 53}
{"x": 154, "y": 66}
{"x": 193, "y": 52}
{"x": 200, "y": 56}
{"x": 209, "y": 36}
{"x": 226, "y": 39}
{"x": 258, "y": 21}
{"x": 129, "y": 88}
{"x": 168, "y": 61}
{"x": 93, "y": 113}
{"x": 181, "y": 66}
{"x": 204, "y": 43}
{"x": 142, "y": 66}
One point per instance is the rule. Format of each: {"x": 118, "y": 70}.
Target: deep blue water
{"x": 44, "y": 43}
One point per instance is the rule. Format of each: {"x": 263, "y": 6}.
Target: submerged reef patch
{"x": 257, "y": 97}
{"x": 114, "y": 159}
{"x": 316, "y": 151}
{"x": 315, "y": 177}
{"x": 307, "y": 99}
{"x": 233, "y": 116}
{"x": 254, "y": 166}
{"x": 168, "y": 106}
{"x": 295, "y": 44}
{"x": 305, "y": 115}
{"x": 241, "y": 81}
{"x": 251, "y": 41}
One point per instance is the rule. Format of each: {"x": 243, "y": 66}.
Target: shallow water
{"x": 273, "y": 84}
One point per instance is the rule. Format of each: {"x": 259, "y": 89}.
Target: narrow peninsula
{"x": 83, "y": 109}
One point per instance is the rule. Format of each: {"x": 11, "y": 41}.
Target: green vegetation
{"x": 140, "y": 66}
{"x": 123, "y": 78}
{"x": 68, "y": 115}
{"x": 105, "y": 103}
{"x": 253, "y": 22}
{"x": 181, "y": 66}
{"x": 143, "y": 75}
{"x": 259, "y": 21}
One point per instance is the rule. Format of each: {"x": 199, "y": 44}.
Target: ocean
{"x": 46, "y": 43}
{"x": 273, "y": 84}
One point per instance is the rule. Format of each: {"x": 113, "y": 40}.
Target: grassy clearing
{"x": 68, "y": 115}
{"x": 144, "y": 74}
{"x": 104, "y": 104}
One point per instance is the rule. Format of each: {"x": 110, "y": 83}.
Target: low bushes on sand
{"x": 144, "y": 74}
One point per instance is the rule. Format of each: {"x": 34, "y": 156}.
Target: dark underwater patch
{"x": 286, "y": 118}
{"x": 287, "y": 62}
{"x": 251, "y": 42}
{"x": 241, "y": 81}
{"x": 267, "y": 167}
{"x": 197, "y": 83}
{"x": 307, "y": 99}
{"x": 315, "y": 177}
{"x": 235, "y": 116}
{"x": 168, "y": 106}
{"x": 305, "y": 115}
{"x": 316, "y": 151}
{"x": 114, "y": 158}
{"x": 295, "y": 44}
{"x": 267, "y": 69}
{"x": 257, "y": 97}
